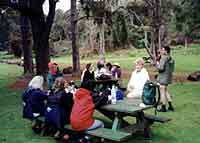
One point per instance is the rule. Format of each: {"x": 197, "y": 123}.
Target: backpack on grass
{"x": 151, "y": 94}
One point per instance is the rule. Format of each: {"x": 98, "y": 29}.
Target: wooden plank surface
{"x": 157, "y": 118}
{"x": 106, "y": 134}
{"x": 109, "y": 134}
{"x": 127, "y": 105}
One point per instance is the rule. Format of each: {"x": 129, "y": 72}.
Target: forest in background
{"x": 180, "y": 24}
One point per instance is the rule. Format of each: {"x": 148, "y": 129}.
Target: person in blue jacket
{"x": 59, "y": 105}
{"x": 34, "y": 100}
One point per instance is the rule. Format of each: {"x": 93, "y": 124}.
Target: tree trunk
{"x": 186, "y": 45}
{"x": 27, "y": 50}
{"x": 38, "y": 26}
{"x": 102, "y": 40}
{"x": 41, "y": 27}
{"x": 41, "y": 30}
{"x": 156, "y": 42}
{"x": 75, "y": 49}
{"x": 92, "y": 30}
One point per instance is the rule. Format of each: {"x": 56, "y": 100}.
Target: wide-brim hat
{"x": 116, "y": 64}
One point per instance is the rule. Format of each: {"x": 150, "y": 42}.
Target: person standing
{"x": 165, "y": 72}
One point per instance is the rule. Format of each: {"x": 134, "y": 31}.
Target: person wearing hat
{"x": 116, "y": 71}
{"x": 33, "y": 100}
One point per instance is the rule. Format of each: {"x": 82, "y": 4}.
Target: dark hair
{"x": 89, "y": 85}
{"x": 88, "y": 66}
{"x": 167, "y": 48}
{"x": 109, "y": 65}
{"x": 100, "y": 65}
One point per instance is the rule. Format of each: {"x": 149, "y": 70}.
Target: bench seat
{"x": 155, "y": 118}
{"x": 106, "y": 133}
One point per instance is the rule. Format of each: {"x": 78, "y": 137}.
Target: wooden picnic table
{"x": 122, "y": 130}
{"x": 130, "y": 107}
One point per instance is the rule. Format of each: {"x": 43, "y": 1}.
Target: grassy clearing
{"x": 187, "y": 60}
{"x": 13, "y": 127}
{"x": 182, "y": 129}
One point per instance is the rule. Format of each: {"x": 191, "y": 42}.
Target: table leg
{"x": 112, "y": 116}
{"x": 117, "y": 122}
{"x": 142, "y": 123}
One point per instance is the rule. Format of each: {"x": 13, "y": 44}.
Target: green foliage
{"x": 119, "y": 30}
{"x": 187, "y": 17}
{"x": 5, "y": 55}
{"x": 9, "y": 26}
{"x": 123, "y": 32}
{"x": 136, "y": 37}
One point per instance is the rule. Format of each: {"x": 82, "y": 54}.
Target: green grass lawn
{"x": 186, "y": 60}
{"x": 183, "y": 128}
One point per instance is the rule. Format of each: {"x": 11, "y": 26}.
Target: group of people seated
{"x": 59, "y": 106}
{"x": 103, "y": 71}
{"x": 63, "y": 103}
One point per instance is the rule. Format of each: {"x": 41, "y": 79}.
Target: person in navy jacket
{"x": 34, "y": 100}
{"x": 59, "y": 106}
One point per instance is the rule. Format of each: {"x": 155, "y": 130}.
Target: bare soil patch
{"x": 23, "y": 83}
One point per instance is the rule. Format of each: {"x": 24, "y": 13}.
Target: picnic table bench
{"x": 105, "y": 133}
{"x": 121, "y": 129}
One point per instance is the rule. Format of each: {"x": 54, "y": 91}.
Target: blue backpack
{"x": 149, "y": 94}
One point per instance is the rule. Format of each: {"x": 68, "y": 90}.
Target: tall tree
{"x": 27, "y": 49}
{"x": 188, "y": 18}
{"x": 75, "y": 49}
{"x": 41, "y": 27}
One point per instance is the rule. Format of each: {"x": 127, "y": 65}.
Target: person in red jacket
{"x": 81, "y": 118}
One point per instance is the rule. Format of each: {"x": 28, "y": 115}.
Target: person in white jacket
{"x": 138, "y": 78}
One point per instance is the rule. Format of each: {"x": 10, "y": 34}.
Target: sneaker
{"x": 57, "y": 135}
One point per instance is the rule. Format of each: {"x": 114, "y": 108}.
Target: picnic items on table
{"x": 113, "y": 95}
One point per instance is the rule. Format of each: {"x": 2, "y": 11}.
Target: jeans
{"x": 95, "y": 125}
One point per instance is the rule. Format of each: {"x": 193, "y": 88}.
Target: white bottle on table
{"x": 113, "y": 94}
